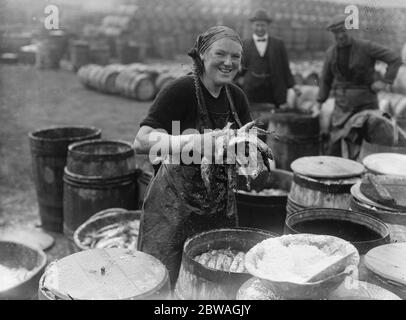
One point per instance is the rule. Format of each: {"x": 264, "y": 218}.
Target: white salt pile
{"x": 292, "y": 263}
{"x": 10, "y": 277}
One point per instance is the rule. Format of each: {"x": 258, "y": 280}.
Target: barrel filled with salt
{"x": 263, "y": 204}
{"x": 21, "y": 267}
{"x": 295, "y": 135}
{"x": 322, "y": 182}
{"x": 220, "y": 276}
{"x": 363, "y": 231}
{"x": 105, "y": 274}
{"x": 99, "y": 174}
{"x": 49, "y": 148}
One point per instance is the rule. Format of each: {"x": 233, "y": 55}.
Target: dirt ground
{"x": 31, "y": 99}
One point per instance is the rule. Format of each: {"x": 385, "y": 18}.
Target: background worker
{"x": 265, "y": 65}
{"x": 348, "y": 70}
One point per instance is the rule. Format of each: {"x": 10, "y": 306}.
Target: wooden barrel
{"x": 386, "y": 164}
{"x": 322, "y": 182}
{"x": 264, "y": 211}
{"x": 141, "y": 87}
{"x": 395, "y": 220}
{"x": 88, "y": 75}
{"x": 79, "y": 54}
{"x": 263, "y": 112}
{"x": 386, "y": 267}
{"x": 49, "y": 148}
{"x": 99, "y": 175}
{"x": 130, "y": 52}
{"x": 163, "y": 80}
{"x": 101, "y": 158}
{"x": 60, "y": 40}
{"x": 296, "y": 135}
{"x": 368, "y": 148}
{"x": 107, "y": 80}
{"x": 198, "y": 282}
{"x": 48, "y": 54}
{"x": 105, "y": 274}
{"x": 27, "y": 54}
{"x": 256, "y": 289}
{"x": 94, "y": 76}
{"x": 123, "y": 79}
{"x": 363, "y": 231}
{"x": 100, "y": 55}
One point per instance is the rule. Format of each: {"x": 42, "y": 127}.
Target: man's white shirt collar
{"x": 256, "y": 37}
{"x": 261, "y": 45}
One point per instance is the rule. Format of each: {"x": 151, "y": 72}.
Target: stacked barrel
{"x": 135, "y": 81}
{"x": 300, "y": 24}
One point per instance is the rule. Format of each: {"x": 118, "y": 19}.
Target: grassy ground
{"x": 31, "y": 99}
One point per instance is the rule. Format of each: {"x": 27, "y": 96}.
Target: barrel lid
{"x": 394, "y": 185}
{"x": 389, "y": 262}
{"x": 360, "y": 290}
{"x": 357, "y": 194}
{"x": 327, "y": 167}
{"x": 386, "y": 163}
{"x": 105, "y": 274}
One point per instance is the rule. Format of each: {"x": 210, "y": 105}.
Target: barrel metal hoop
{"x": 388, "y": 282}
{"x": 318, "y": 186}
{"x": 74, "y": 179}
{"x": 296, "y": 139}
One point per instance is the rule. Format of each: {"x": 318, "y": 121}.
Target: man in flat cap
{"x": 348, "y": 73}
{"x": 265, "y": 65}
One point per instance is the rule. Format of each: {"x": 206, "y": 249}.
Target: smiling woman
{"x": 177, "y": 203}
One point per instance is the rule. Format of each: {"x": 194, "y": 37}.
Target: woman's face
{"x": 222, "y": 61}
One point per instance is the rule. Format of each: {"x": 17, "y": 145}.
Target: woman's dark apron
{"x": 177, "y": 204}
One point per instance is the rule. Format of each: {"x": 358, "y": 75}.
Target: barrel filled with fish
{"x": 213, "y": 263}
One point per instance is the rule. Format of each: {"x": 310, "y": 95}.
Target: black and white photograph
{"x": 220, "y": 152}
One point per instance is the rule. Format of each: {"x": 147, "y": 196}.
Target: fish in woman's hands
{"x": 245, "y": 162}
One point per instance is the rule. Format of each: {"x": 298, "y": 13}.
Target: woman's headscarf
{"x": 206, "y": 39}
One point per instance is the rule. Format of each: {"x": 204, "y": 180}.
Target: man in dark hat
{"x": 265, "y": 65}
{"x": 348, "y": 72}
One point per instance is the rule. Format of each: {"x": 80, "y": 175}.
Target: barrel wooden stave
{"x": 79, "y": 54}
{"x": 296, "y": 135}
{"x": 101, "y": 158}
{"x": 49, "y": 148}
{"x": 396, "y": 221}
{"x": 319, "y": 193}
